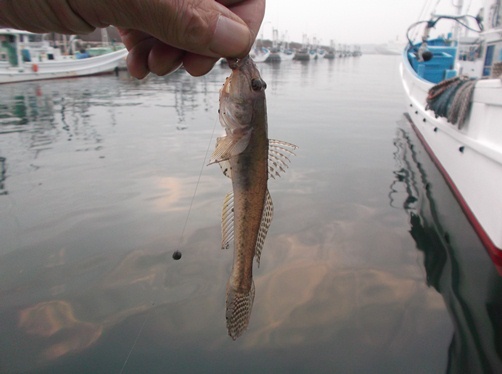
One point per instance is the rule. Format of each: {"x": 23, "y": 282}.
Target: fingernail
{"x": 230, "y": 39}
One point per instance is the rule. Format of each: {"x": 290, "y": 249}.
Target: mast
{"x": 17, "y": 42}
{"x": 275, "y": 36}
{"x": 104, "y": 37}
{"x": 458, "y": 12}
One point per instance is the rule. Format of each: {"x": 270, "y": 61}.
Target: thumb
{"x": 200, "y": 26}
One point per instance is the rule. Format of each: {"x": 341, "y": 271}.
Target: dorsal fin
{"x": 278, "y": 160}
{"x": 266, "y": 219}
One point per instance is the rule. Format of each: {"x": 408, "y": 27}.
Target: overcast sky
{"x": 349, "y": 21}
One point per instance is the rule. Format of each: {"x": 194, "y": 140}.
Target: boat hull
{"x": 470, "y": 158}
{"x": 447, "y": 244}
{"x": 66, "y": 68}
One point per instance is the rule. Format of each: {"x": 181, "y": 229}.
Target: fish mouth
{"x": 245, "y": 78}
{"x": 236, "y": 63}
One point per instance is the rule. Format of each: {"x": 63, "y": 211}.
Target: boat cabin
{"x": 473, "y": 56}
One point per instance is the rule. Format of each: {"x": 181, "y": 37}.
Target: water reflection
{"x": 39, "y": 112}
{"x": 44, "y": 109}
{"x": 97, "y": 191}
{"x": 456, "y": 262}
{"x": 55, "y": 322}
{"x": 3, "y": 171}
{"x": 90, "y": 223}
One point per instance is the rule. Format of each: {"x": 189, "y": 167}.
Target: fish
{"x": 249, "y": 158}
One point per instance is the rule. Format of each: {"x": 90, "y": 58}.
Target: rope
{"x": 461, "y": 103}
{"x": 451, "y": 99}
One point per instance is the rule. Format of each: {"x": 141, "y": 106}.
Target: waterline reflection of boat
{"x": 462, "y": 134}
{"x": 25, "y": 56}
{"x": 455, "y": 264}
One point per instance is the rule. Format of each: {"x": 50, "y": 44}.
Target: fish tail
{"x": 239, "y": 306}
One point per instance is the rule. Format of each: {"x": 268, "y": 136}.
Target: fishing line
{"x": 176, "y": 254}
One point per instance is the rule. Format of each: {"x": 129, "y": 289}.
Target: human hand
{"x": 159, "y": 34}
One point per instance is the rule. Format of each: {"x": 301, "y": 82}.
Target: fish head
{"x": 242, "y": 95}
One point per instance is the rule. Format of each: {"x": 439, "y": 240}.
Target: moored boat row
{"x": 25, "y": 56}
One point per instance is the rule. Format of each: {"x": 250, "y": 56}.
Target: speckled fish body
{"x": 248, "y": 157}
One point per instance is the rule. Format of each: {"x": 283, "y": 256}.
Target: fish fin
{"x": 278, "y": 160}
{"x": 220, "y": 152}
{"x": 225, "y": 168}
{"x": 227, "y": 221}
{"x": 228, "y": 146}
{"x": 238, "y": 312}
{"x": 266, "y": 219}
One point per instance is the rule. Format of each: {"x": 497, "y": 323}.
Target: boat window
{"x": 487, "y": 68}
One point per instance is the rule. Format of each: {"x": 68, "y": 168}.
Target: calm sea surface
{"x": 369, "y": 265}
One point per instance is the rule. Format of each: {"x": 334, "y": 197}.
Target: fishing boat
{"x": 453, "y": 94}
{"x": 259, "y": 54}
{"x": 25, "y": 56}
{"x": 302, "y": 54}
{"x": 356, "y": 51}
{"x": 287, "y": 54}
{"x": 274, "y": 55}
{"x": 275, "y": 51}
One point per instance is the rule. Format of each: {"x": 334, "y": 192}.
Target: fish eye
{"x": 258, "y": 84}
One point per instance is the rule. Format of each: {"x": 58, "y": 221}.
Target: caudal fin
{"x": 239, "y": 306}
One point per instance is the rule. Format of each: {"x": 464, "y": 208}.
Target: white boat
{"x": 392, "y": 47}
{"x": 461, "y": 126}
{"x": 25, "y": 56}
{"x": 287, "y": 54}
{"x": 259, "y": 54}
{"x": 313, "y": 54}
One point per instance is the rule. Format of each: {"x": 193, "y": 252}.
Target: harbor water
{"x": 368, "y": 266}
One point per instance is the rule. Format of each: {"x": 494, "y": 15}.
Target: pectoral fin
{"x": 228, "y": 146}
{"x": 225, "y": 168}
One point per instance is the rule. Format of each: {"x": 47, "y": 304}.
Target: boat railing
{"x": 35, "y": 45}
